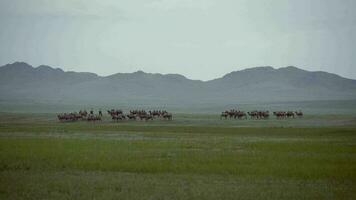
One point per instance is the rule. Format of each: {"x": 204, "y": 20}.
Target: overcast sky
{"x": 201, "y": 39}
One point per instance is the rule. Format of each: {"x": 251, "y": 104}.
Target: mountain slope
{"x": 283, "y": 84}
{"x": 22, "y": 82}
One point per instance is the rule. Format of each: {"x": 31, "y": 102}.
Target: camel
{"x": 131, "y": 116}
{"x": 167, "y": 116}
{"x": 223, "y": 115}
{"x": 299, "y": 114}
{"x": 118, "y": 117}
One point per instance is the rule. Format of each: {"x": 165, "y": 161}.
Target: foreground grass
{"x": 48, "y": 160}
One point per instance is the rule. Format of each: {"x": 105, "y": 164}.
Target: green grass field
{"x": 191, "y": 157}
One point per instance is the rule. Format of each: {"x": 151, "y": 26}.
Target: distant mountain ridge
{"x": 22, "y": 82}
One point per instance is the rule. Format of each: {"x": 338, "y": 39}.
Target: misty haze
{"x": 177, "y": 99}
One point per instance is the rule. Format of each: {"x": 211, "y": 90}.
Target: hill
{"x": 22, "y": 82}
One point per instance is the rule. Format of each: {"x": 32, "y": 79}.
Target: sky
{"x": 200, "y": 39}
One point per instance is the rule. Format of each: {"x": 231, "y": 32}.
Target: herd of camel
{"x": 119, "y": 115}
{"x": 115, "y": 114}
{"x": 81, "y": 115}
{"x": 237, "y": 114}
{"x": 140, "y": 114}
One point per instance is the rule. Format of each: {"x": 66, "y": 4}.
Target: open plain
{"x": 194, "y": 156}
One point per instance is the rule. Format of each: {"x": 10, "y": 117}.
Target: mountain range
{"x": 21, "y": 82}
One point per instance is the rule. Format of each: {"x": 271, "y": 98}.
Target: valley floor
{"x": 191, "y": 157}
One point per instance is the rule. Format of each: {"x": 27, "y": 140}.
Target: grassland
{"x": 191, "y": 157}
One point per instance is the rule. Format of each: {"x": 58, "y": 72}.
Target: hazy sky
{"x": 201, "y": 39}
